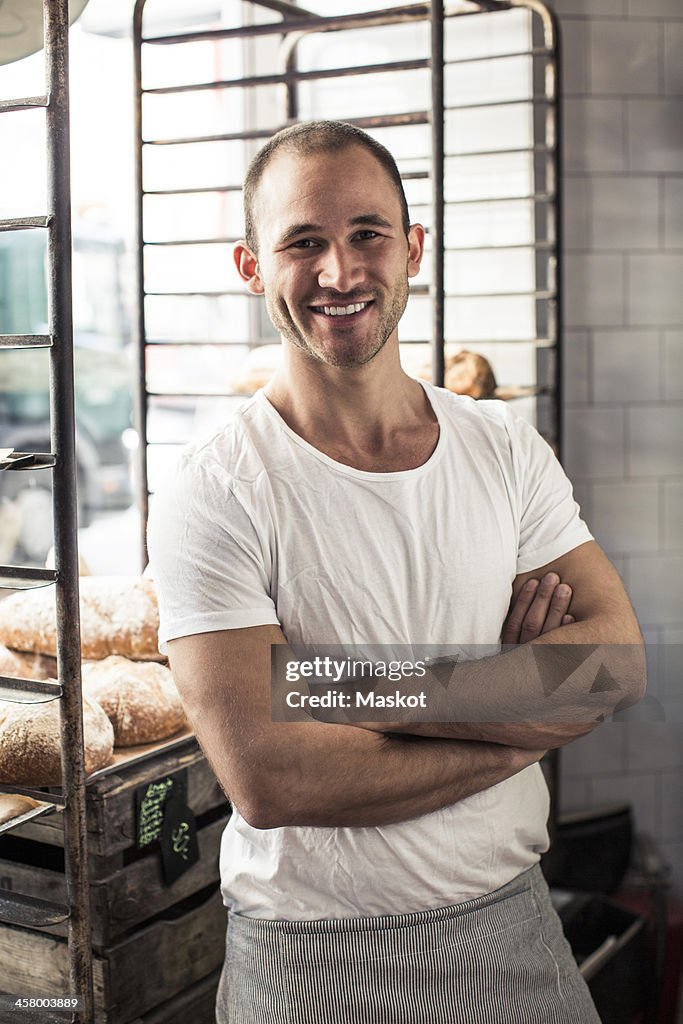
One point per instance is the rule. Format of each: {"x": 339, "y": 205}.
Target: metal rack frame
{"x": 14, "y": 907}
{"x": 297, "y": 24}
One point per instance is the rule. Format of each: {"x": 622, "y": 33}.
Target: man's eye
{"x": 367, "y": 235}
{"x": 303, "y": 243}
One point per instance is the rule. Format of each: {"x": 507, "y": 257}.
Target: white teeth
{"x": 355, "y": 307}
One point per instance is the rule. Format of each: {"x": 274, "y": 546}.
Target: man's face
{"x": 333, "y": 259}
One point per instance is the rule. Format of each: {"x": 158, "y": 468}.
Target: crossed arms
{"x": 313, "y": 773}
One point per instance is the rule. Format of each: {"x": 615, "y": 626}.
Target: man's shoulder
{"x": 224, "y": 449}
{"x": 476, "y": 415}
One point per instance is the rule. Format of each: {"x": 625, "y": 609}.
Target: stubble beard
{"x": 339, "y": 355}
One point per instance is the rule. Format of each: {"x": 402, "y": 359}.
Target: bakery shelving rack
{"x": 266, "y": 74}
{"x": 15, "y": 908}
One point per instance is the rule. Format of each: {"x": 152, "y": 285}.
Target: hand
{"x": 536, "y": 609}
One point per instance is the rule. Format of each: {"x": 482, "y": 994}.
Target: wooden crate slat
{"x": 196, "y": 1004}
{"x": 139, "y": 973}
{"x": 131, "y": 894}
{"x": 161, "y": 960}
{"x": 110, "y": 801}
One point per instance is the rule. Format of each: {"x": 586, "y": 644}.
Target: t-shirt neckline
{"x": 341, "y": 467}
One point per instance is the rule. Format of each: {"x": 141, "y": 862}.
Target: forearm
{"x": 541, "y": 694}
{"x": 331, "y": 775}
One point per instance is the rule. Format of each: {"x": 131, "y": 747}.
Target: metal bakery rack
{"x": 15, "y": 908}
{"x": 467, "y": 97}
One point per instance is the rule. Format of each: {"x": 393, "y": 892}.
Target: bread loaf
{"x": 12, "y": 805}
{"x": 119, "y": 615}
{"x": 22, "y": 665}
{"x": 30, "y": 751}
{"x": 139, "y": 698}
{"x": 10, "y": 664}
{"x": 468, "y": 373}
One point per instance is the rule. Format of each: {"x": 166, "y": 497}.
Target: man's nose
{"x": 340, "y": 268}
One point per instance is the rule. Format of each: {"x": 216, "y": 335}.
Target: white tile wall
{"x": 653, "y": 746}
{"x": 576, "y": 213}
{"x": 594, "y": 289}
{"x": 671, "y": 822}
{"x": 656, "y": 292}
{"x": 673, "y": 208}
{"x": 625, "y": 362}
{"x": 576, "y": 367}
{"x": 656, "y": 589}
{"x": 594, "y": 442}
{"x": 655, "y": 135}
{"x": 589, "y": 7}
{"x": 624, "y": 57}
{"x": 623, "y": 388}
{"x": 575, "y": 50}
{"x": 673, "y": 514}
{"x": 673, "y": 65}
{"x": 618, "y": 511}
{"x": 673, "y": 367}
{"x": 654, "y": 8}
{"x": 594, "y": 135}
{"x": 655, "y": 433}
{"x": 671, "y": 662}
{"x": 603, "y": 750}
{"x": 624, "y": 212}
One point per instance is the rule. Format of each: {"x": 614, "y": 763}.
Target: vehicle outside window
{"x": 103, "y": 381}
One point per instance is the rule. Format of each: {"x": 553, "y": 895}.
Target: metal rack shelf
{"x": 24, "y": 691}
{"x": 15, "y": 907}
{"x": 25, "y": 341}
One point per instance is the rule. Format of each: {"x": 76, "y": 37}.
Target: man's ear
{"x": 416, "y": 247}
{"x": 247, "y": 267}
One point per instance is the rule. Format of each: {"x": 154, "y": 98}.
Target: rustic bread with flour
{"x": 139, "y": 698}
{"x": 30, "y": 751}
{"x": 22, "y": 665}
{"x": 119, "y": 615}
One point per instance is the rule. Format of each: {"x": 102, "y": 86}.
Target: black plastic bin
{"x": 609, "y": 943}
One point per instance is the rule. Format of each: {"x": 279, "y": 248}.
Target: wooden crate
{"x": 196, "y": 1004}
{"x": 127, "y": 885}
{"x": 154, "y": 945}
{"x": 144, "y": 971}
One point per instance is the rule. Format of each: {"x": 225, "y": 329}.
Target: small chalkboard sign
{"x": 179, "y": 849}
{"x": 150, "y": 801}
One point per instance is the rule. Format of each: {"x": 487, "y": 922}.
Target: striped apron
{"x": 498, "y": 959}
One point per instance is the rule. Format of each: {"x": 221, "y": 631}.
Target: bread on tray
{"x": 13, "y": 805}
{"x": 139, "y": 698}
{"x": 22, "y": 665}
{"x": 119, "y": 615}
{"x": 30, "y": 749}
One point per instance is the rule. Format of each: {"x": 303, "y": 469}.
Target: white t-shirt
{"x": 260, "y": 527}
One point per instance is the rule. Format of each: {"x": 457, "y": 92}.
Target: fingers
{"x": 558, "y": 598}
{"x": 514, "y": 622}
{"x": 538, "y": 608}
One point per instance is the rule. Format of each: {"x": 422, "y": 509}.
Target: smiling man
{"x": 376, "y": 873}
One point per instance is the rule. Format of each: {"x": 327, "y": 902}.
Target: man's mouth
{"x": 350, "y": 310}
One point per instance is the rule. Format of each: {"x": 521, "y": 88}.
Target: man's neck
{"x": 373, "y": 417}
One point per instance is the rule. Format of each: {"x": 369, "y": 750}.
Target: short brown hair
{"x": 316, "y": 137}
